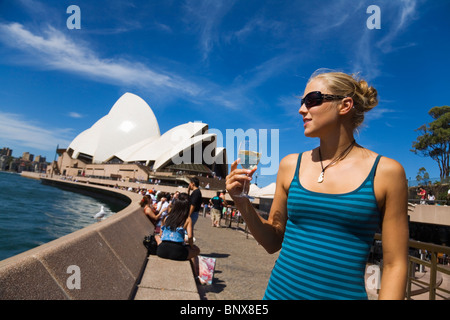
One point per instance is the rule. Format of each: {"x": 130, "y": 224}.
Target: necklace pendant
{"x": 320, "y": 179}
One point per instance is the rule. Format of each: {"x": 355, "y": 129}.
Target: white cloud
{"x": 260, "y": 24}
{"x": 15, "y": 130}
{"x": 405, "y": 13}
{"x": 332, "y": 15}
{"x": 205, "y": 17}
{"x": 55, "y": 50}
{"x": 366, "y": 59}
{"x": 395, "y": 17}
{"x": 75, "y": 115}
{"x": 378, "y": 113}
{"x": 270, "y": 68}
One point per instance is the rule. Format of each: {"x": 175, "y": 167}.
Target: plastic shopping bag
{"x": 206, "y": 269}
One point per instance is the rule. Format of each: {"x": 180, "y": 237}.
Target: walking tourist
{"x": 217, "y": 204}
{"x": 171, "y": 241}
{"x": 330, "y": 201}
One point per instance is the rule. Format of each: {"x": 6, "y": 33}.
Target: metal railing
{"x": 433, "y": 253}
{"x": 238, "y": 219}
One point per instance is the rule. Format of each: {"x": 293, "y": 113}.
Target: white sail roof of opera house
{"x": 127, "y": 122}
{"x": 130, "y": 133}
{"x": 153, "y": 148}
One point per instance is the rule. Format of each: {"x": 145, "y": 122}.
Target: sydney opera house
{"x": 127, "y": 144}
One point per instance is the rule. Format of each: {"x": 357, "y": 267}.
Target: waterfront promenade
{"x": 242, "y": 266}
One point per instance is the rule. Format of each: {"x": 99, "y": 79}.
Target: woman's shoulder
{"x": 390, "y": 166}
{"x": 390, "y": 172}
{"x": 290, "y": 160}
{"x": 386, "y": 166}
{"x": 288, "y": 164}
{"x": 286, "y": 170}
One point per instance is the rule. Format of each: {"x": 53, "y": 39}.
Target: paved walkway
{"x": 243, "y": 267}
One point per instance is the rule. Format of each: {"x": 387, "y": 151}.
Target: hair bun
{"x": 369, "y": 94}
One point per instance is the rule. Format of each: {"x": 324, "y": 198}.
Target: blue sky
{"x": 231, "y": 64}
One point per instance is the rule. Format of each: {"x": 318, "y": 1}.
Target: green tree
{"x": 422, "y": 175}
{"x": 434, "y": 141}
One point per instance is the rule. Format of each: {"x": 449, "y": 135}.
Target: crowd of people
{"x": 175, "y": 214}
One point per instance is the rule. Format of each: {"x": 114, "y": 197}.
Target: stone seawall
{"x": 102, "y": 261}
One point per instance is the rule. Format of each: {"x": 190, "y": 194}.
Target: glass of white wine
{"x": 249, "y": 160}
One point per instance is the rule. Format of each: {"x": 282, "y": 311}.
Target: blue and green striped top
{"x": 326, "y": 243}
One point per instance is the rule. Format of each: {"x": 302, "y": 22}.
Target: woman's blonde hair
{"x": 364, "y": 96}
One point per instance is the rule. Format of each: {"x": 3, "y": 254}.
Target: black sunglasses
{"x": 315, "y": 98}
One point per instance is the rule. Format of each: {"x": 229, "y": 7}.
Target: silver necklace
{"x": 338, "y": 158}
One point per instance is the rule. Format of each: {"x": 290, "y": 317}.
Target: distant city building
{"x": 4, "y": 163}
{"x": 24, "y": 163}
{"x": 39, "y": 159}
{"x": 26, "y": 156}
{"x": 6, "y": 152}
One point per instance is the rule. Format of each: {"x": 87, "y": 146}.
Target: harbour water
{"x": 32, "y": 214}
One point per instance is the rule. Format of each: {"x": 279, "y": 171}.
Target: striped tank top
{"x": 326, "y": 243}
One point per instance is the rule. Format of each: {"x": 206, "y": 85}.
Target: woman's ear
{"x": 346, "y": 105}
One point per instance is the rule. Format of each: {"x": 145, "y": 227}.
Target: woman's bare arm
{"x": 391, "y": 183}
{"x": 269, "y": 233}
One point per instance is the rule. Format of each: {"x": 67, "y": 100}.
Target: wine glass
{"x": 249, "y": 160}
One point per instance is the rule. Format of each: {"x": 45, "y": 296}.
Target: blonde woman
{"x": 330, "y": 201}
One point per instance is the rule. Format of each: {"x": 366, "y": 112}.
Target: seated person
{"x": 171, "y": 244}
{"x": 149, "y": 210}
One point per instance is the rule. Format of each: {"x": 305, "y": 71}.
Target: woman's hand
{"x": 268, "y": 232}
{"x": 235, "y": 180}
